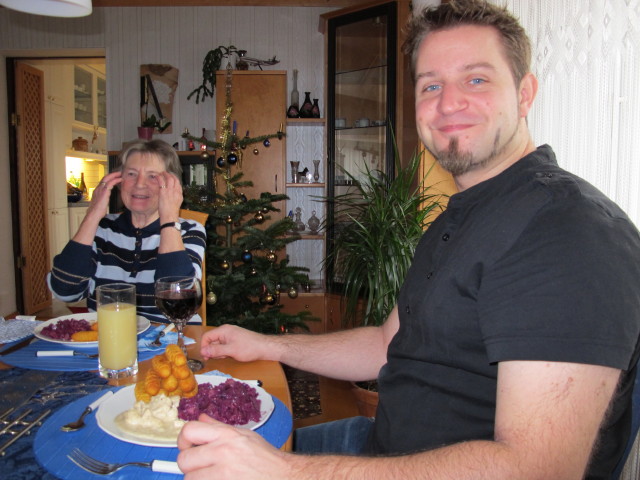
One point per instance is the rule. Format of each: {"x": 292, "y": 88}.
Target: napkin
{"x": 144, "y": 342}
{"x": 12, "y": 330}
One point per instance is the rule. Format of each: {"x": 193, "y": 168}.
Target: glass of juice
{"x": 117, "y": 330}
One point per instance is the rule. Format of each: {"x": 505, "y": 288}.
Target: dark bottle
{"x": 315, "y": 110}
{"x": 307, "y": 106}
{"x": 293, "y": 110}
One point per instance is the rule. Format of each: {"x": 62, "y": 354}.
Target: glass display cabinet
{"x": 361, "y": 101}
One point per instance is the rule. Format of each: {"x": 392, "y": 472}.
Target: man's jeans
{"x": 347, "y": 436}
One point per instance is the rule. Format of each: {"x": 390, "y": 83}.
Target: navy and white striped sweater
{"x": 123, "y": 253}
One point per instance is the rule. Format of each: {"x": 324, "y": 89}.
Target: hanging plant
{"x": 210, "y": 66}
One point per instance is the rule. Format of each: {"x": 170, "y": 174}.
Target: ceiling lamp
{"x": 51, "y": 8}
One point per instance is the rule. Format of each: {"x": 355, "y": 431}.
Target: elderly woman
{"x": 145, "y": 242}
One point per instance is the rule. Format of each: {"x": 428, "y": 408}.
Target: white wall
{"x": 180, "y": 37}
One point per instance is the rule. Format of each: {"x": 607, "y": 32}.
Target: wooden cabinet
{"x": 313, "y": 303}
{"x": 259, "y": 106}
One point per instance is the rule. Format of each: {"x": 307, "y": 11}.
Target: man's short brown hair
{"x": 455, "y": 13}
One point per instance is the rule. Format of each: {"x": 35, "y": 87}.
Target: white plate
{"x": 143, "y": 324}
{"x": 124, "y": 399}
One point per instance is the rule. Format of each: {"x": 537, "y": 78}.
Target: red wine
{"x": 178, "y": 306}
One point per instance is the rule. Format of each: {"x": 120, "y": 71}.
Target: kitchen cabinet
{"x": 89, "y": 99}
{"x": 76, "y": 214}
{"x": 369, "y": 96}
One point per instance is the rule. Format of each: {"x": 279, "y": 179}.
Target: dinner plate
{"x": 124, "y": 399}
{"x": 143, "y": 324}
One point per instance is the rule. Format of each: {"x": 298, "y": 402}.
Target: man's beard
{"x": 458, "y": 163}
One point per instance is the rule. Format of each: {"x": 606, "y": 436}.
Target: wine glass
{"x": 179, "y": 298}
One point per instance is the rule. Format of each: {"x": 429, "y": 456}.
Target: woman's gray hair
{"x": 153, "y": 147}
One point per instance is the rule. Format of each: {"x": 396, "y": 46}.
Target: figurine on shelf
{"x": 313, "y": 223}
{"x": 307, "y": 106}
{"x": 298, "y": 221}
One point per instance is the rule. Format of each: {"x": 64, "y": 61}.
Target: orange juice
{"x": 117, "y": 335}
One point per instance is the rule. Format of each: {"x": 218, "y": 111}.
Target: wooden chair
{"x": 201, "y": 218}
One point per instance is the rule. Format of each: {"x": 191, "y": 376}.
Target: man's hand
{"x": 211, "y": 449}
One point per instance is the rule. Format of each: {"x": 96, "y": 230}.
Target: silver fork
{"x": 92, "y": 465}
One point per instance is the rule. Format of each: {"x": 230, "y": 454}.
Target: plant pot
{"x": 145, "y": 133}
{"x": 366, "y": 400}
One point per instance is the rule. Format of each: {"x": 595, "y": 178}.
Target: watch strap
{"x": 175, "y": 225}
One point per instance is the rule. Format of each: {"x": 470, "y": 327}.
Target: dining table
{"x": 38, "y": 448}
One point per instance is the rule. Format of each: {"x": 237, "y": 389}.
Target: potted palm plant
{"x": 377, "y": 226}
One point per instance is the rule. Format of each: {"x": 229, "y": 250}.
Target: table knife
{"x": 64, "y": 353}
{"x": 17, "y": 346}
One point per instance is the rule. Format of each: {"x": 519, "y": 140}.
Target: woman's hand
{"x": 170, "y": 197}
{"x": 212, "y": 449}
{"x": 102, "y": 193}
{"x": 97, "y": 209}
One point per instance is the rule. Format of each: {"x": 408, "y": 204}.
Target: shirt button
{"x": 137, "y": 256}
{"x": 407, "y": 309}
{"x": 445, "y": 237}
{"x": 429, "y": 275}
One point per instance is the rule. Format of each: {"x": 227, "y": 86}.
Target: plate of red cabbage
{"x": 60, "y": 329}
{"x": 226, "y": 399}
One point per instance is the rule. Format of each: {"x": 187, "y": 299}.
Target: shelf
{"x": 97, "y": 157}
{"x": 304, "y": 185}
{"x": 305, "y": 121}
{"x": 309, "y": 236}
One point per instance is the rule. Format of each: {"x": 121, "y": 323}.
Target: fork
{"x": 92, "y": 465}
{"x": 168, "y": 328}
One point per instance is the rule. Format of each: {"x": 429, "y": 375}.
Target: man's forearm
{"x": 356, "y": 354}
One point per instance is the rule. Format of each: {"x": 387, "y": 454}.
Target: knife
{"x": 17, "y": 346}
{"x": 63, "y": 353}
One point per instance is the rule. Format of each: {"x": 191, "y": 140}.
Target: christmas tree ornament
{"x": 258, "y": 217}
{"x": 265, "y": 210}
{"x": 253, "y": 271}
{"x": 266, "y": 142}
{"x": 225, "y": 265}
{"x": 244, "y": 198}
{"x": 232, "y": 159}
{"x": 211, "y": 298}
{"x": 247, "y": 257}
{"x": 271, "y": 256}
{"x": 204, "y": 155}
{"x": 246, "y": 140}
{"x": 293, "y": 293}
{"x": 229, "y": 220}
{"x": 256, "y": 151}
{"x": 270, "y": 299}
{"x": 221, "y": 162}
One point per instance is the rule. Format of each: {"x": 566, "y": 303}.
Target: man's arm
{"x": 355, "y": 354}
{"x": 547, "y": 420}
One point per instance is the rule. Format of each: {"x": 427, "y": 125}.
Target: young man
{"x": 511, "y": 352}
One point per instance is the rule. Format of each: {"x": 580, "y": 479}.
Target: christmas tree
{"x": 245, "y": 276}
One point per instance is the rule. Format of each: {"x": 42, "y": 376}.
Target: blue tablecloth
{"x": 51, "y": 445}
{"x": 26, "y": 358}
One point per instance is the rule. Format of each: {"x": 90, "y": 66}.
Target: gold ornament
{"x": 225, "y": 265}
{"x": 211, "y": 298}
{"x": 293, "y": 293}
{"x": 271, "y": 256}
{"x": 259, "y": 217}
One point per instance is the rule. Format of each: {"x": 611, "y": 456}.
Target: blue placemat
{"x": 26, "y": 358}
{"x": 51, "y": 445}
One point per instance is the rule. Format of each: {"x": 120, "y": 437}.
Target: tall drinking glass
{"x": 179, "y": 299}
{"x": 117, "y": 330}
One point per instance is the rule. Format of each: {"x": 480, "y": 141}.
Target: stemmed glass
{"x": 179, "y": 299}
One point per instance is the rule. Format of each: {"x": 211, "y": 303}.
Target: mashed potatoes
{"x": 154, "y": 420}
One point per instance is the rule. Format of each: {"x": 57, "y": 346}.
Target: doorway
{"x": 65, "y": 102}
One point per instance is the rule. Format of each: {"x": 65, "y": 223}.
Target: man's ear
{"x": 527, "y": 93}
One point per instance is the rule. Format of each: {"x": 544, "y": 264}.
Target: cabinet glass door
{"x": 83, "y": 96}
{"x": 361, "y": 93}
{"x": 102, "y": 102}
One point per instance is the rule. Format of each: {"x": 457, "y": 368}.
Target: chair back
{"x": 201, "y": 218}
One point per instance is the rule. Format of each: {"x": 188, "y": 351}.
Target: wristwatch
{"x": 175, "y": 225}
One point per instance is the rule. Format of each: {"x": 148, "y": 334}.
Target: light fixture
{"x": 51, "y": 8}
